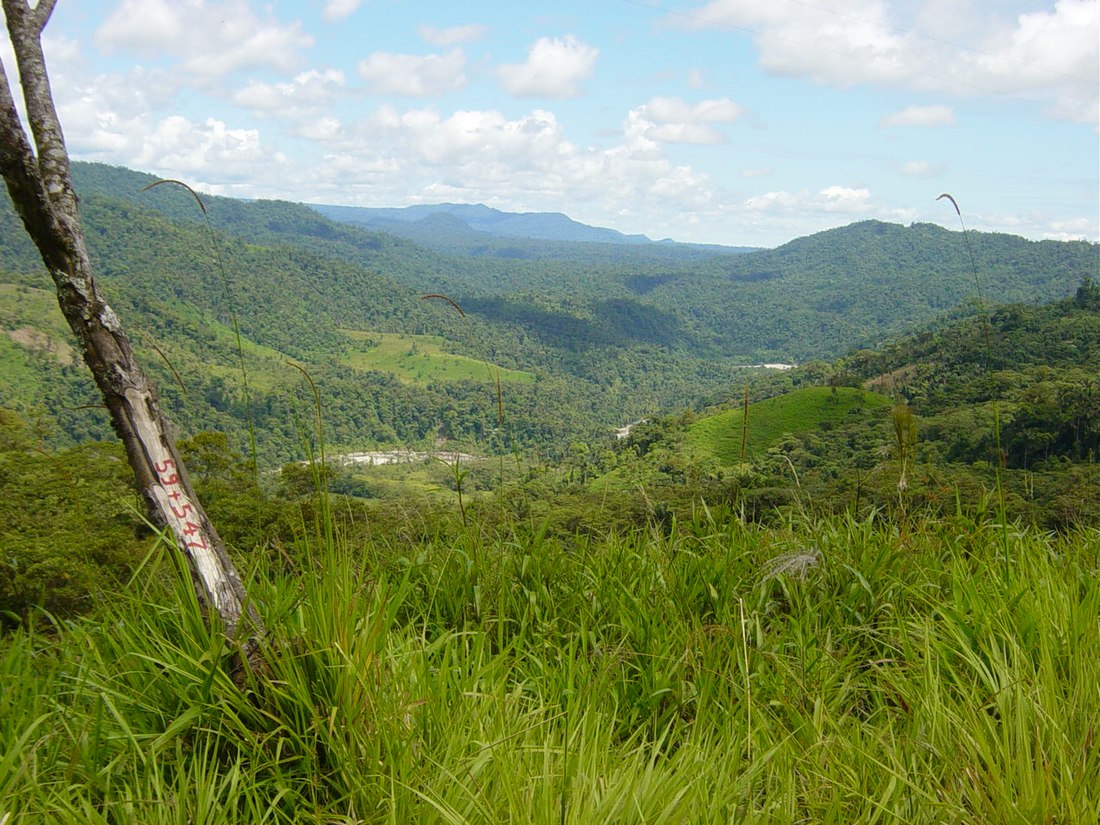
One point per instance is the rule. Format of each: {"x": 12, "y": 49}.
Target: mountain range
{"x": 584, "y": 334}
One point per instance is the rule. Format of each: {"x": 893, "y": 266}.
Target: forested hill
{"x": 475, "y": 230}
{"x": 1010, "y": 400}
{"x": 819, "y": 296}
{"x": 584, "y": 341}
{"x": 548, "y": 226}
{"x": 815, "y": 297}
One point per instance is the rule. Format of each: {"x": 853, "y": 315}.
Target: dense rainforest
{"x": 529, "y": 365}
{"x": 621, "y": 573}
{"x": 579, "y": 343}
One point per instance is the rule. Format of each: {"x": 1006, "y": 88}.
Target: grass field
{"x": 421, "y": 359}
{"x": 827, "y": 672}
{"x": 803, "y": 410}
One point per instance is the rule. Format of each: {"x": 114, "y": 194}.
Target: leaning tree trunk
{"x": 42, "y": 192}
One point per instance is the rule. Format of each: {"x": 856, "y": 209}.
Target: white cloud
{"x": 1079, "y": 225}
{"x": 1051, "y": 55}
{"x": 396, "y": 156}
{"x": 210, "y": 39}
{"x": 676, "y": 110}
{"x": 921, "y": 169}
{"x": 673, "y": 120}
{"x": 104, "y": 115}
{"x": 835, "y": 47}
{"x": 173, "y": 146}
{"x": 846, "y": 200}
{"x": 452, "y": 36}
{"x": 554, "y": 68}
{"x": 696, "y": 133}
{"x": 179, "y": 147}
{"x": 307, "y": 92}
{"x": 778, "y": 201}
{"x": 100, "y": 123}
{"x": 336, "y": 10}
{"x": 937, "y": 115}
{"x": 414, "y": 76}
{"x": 761, "y": 172}
{"x": 322, "y": 129}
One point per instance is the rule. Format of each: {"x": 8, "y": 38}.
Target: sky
{"x": 740, "y": 122}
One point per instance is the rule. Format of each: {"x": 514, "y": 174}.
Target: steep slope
{"x": 967, "y": 411}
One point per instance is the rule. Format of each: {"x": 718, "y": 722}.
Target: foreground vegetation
{"x": 876, "y": 602}
{"x": 839, "y": 670}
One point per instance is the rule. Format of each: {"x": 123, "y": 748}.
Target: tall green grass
{"x": 695, "y": 675}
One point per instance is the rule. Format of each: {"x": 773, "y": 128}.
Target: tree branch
{"x": 53, "y": 158}
{"x": 42, "y": 12}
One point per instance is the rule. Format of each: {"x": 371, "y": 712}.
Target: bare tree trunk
{"x": 42, "y": 192}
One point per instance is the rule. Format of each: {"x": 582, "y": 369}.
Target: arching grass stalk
{"x": 494, "y": 378}
{"x": 232, "y": 314}
{"x": 321, "y": 478}
{"x": 998, "y": 464}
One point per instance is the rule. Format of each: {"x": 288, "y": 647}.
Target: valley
{"x": 853, "y": 509}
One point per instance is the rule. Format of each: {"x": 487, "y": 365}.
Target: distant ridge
{"x": 452, "y": 220}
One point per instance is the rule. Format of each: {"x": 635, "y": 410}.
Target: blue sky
{"x": 734, "y": 121}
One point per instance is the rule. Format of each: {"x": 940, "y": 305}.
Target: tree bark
{"x": 40, "y": 185}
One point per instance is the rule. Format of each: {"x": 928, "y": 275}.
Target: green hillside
{"x": 421, "y": 359}
{"x": 1008, "y": 403}
{"x": 816, "y": 297}
{"x": 611, "y": 339}
{"x": 803, "y": 411}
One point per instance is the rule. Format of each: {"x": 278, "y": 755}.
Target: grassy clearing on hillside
{"x": 830, "y": 672}
{"x": 803, "y": 410}
{"x": 31, "y": 329}
{"x": 421, "y": 359}
{"x": 22, "y": 305}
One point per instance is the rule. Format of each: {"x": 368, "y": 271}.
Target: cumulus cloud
{"x": 937, "y": 115}
{"x": 339, "y": 9}
{"x": 210, "y": 39}
{"x": 178, "y": 144}
{"x": 104, "y": 115}
{"x": 307, "y": 92}
{"x": 673, "y": 120}
{"x": 175, "y": 146}
{"x": 411, "y": 75}
{"x": 844, "y": 199}
{"x": 1076, "y": 229}
{"x": 321, "y": 129}
{"x": 1051, "y": 55}
{"x": 527, "y": 162}
{"x": 838, "y": 48}
{"x": 453, "y": 35}
{"x": 847, "y": 200}
{"x": 778, "y": 201}
{"x": 677, "y": 110}
{"x": 554, "y": 68}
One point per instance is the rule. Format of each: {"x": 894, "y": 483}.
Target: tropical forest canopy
{"x": 615, "y": 565}
{"x": 579, "y": 338}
